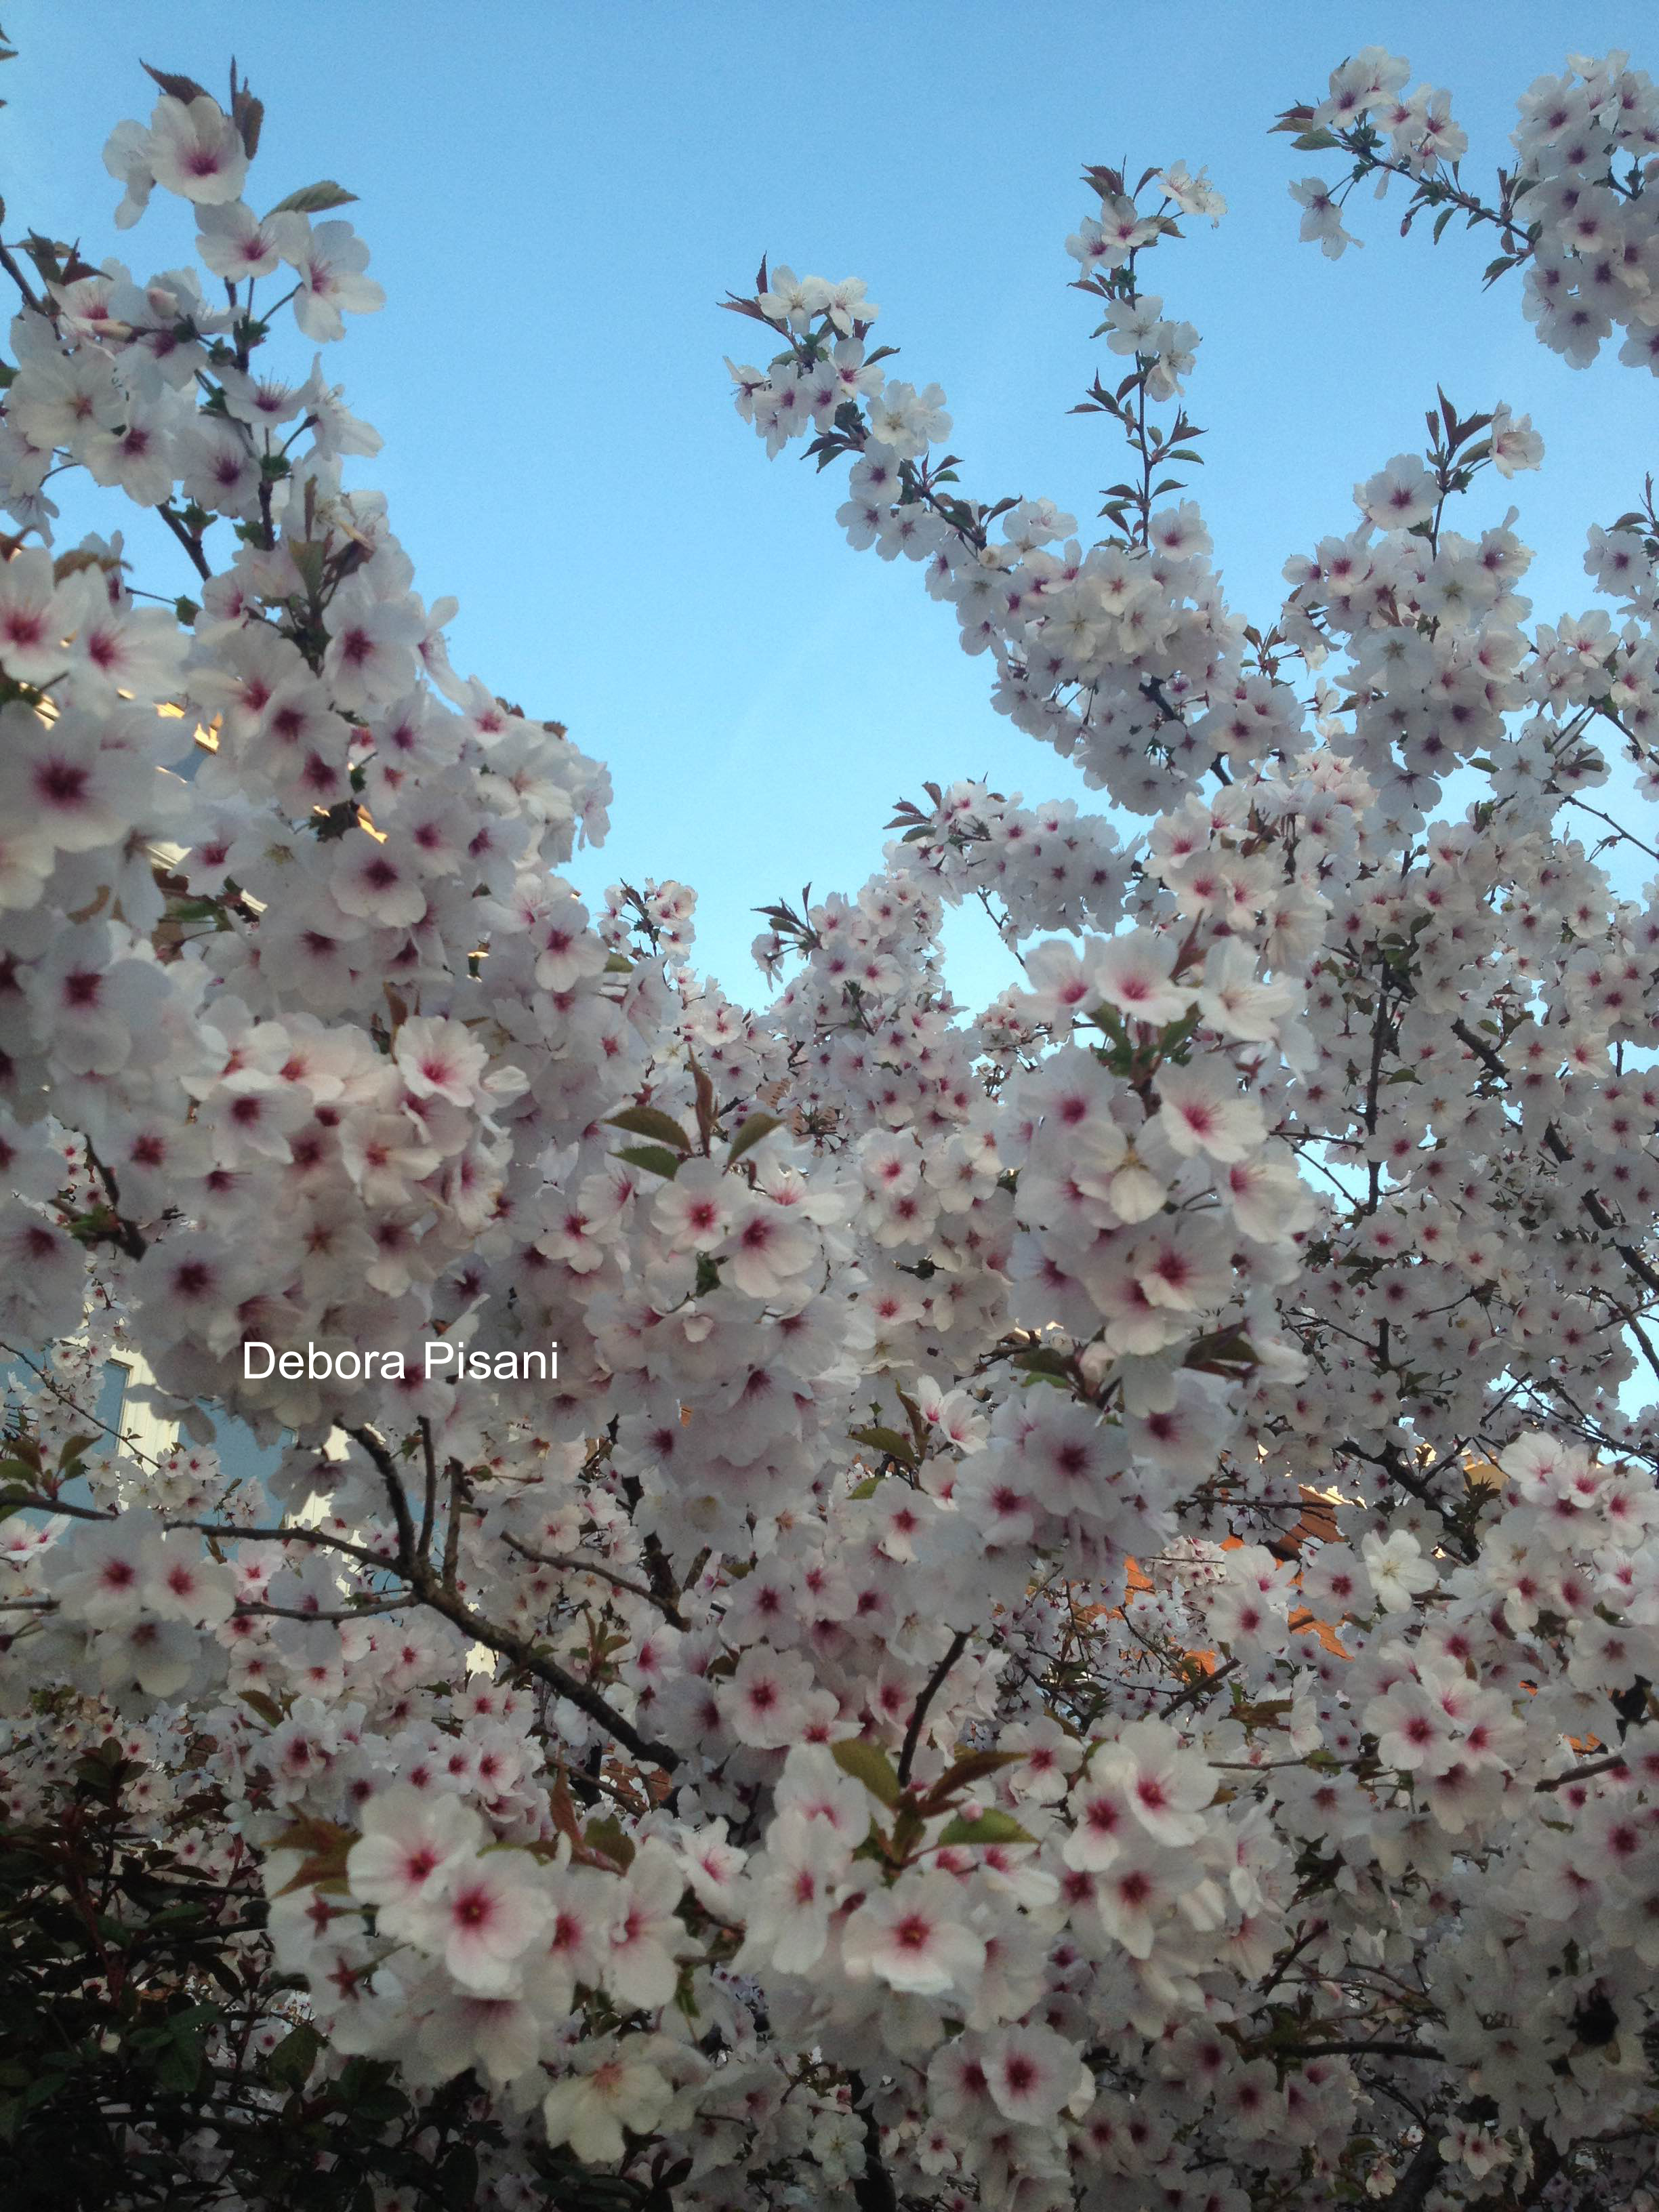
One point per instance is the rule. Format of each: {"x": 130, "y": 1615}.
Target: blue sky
{"x": 556, "y": 196}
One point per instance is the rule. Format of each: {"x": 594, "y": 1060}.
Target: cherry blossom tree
{"x": 1052, "y": 1607}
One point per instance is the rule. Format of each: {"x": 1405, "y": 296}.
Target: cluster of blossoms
{"x": 1110, "y": 654}
{"x": 1071, "y": 1624}
{"x": 1575, "y": 211}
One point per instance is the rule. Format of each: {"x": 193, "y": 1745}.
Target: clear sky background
{"x": 556, "y": 196}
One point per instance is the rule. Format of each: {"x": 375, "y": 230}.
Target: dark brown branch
{"x": 1611, "y": 1765}
{"x": 332, "y": 1618}
{"x": 1374, "y": 1085}
{"x": 662, "y": 1578}
{"x": 1357, "y": 2051}
{"x": 452, "y": 1532}
{"x": 1392, "y": 1460}
{"x": 287, "y": 1534}
{"x": 127, "y": 1234}
{"x": 230, "y": 1529}
{"x": 429, "y": 1510}
{"x": 873, "y": 2190}
{"x": 1411, "y": 2189}
{"x": 1648, "y": 1353}
{"x": 1310, "y": 1935}
{"x": 396, "y": 1496}
{"x": 522, "y": 1653}
{"x": 918, "y": 1711}
{"x": 578, "y": 1563}
{"x": 51, "y": 1505}
{"x": 441, "y": 1595}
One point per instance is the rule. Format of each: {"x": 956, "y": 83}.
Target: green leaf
{"x": 1315, "y": 142}
{"x": 650, "y": 1121}
{"x": 973, "y": 1767}
{"x": 313, "y": 199}
{"x": 1221, "y": 1351}
{"x": 323, "y": 1845}
{"x": 869, "y": 1764}
{"x": 657, "y": 1157}
{"x": 365, "y": 2088}
{"x": 866, "y": 1489}
{"x": 605, "y": 1832}
{"x": 179, "y": 2067}
{"x": 73, "y": 1447}
{"x": 1043, "y": 1361}
{"x": 757, "y": 1127}
{"x": 993, "y": 1826}
{"x": 178, "y": 2041}
{"x": 888, "y": 1441}
{"x": 308, "y": 556}
{"x": 457, "y": 2178}
{"x": 290, "y": 2064}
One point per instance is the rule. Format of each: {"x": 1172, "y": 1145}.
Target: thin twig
{"x": 1629, "y": 835}
{"x": 199, "y": 561}
{"x": 330, "y": 1617}
{"x": 286, "y": 1534}
{"x": 1194, "y": 1691}
{"x": 79, "y": 1411}
{"x": 30, "y": 299}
